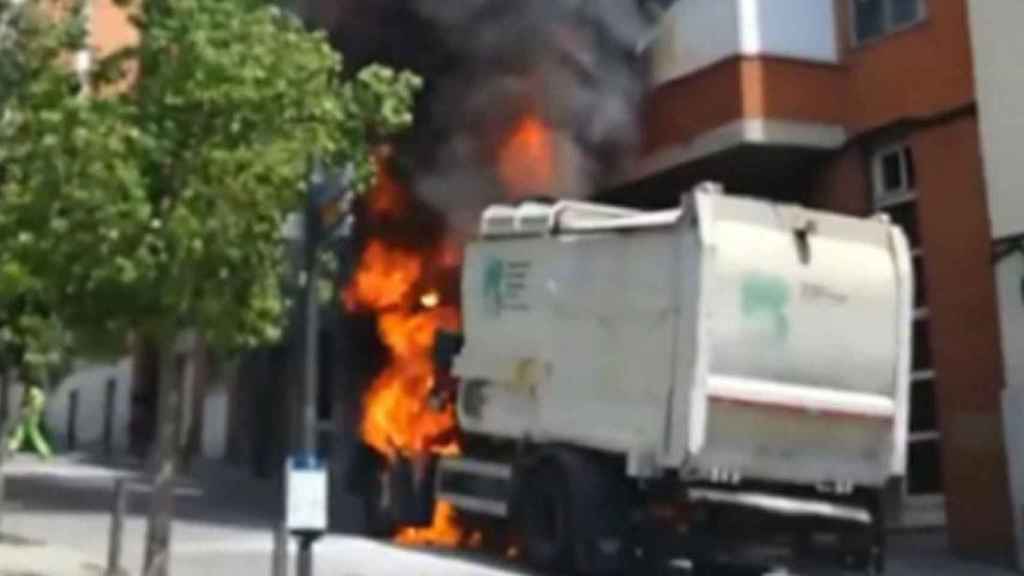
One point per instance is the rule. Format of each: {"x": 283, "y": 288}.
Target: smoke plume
{"x": 543, "y": 104}
{"x": 526, "y": 98}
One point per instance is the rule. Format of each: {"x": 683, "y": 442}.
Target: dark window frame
{"x": 888, "y": 25}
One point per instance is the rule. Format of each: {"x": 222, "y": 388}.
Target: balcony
{"x": 699, "y": 33}
{"x": 739, "y": 77}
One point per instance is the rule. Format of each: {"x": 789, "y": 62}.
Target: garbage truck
{"x": 724, "y": 380}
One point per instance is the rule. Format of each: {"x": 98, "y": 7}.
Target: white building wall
{"x": 90, "y": 382}
{"x": 698, "y": 33}
{"x": 693, "y": 35}
{"x": 999, "y": 77}
{"x": 998, "y": 47}
{"x": 215, "y": 422}
{"x": 800, "y": 29}
{"x": 1010, "y": 287}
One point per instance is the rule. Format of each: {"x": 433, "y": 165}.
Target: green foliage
{"x": 157, "y": 203}
{"x": 32, "y": 339}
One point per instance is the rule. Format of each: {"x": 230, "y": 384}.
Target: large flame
{"x": 385, "y": 278}
{"x": 526, "y": 160}
{"x": 398, "y": 421}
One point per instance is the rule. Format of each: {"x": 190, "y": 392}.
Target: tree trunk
{"x": 161, "y": 507}
{"x": 200, "y": 381}
{"x": 145, "y": 374}
{"x": 5, "y": 395}
{"x": 6, "y": 420}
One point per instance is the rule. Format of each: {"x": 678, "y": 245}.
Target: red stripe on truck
{"x": 831, "y": 412}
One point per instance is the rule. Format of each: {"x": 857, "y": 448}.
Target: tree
{"x": 32, "y": 342}
{"x": 157, "y": 204}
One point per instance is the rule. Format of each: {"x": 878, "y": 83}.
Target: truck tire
{"x": 571, "y": 514}
{"x": 543, "y": 516}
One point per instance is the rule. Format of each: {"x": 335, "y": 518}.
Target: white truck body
{"x": 729, "y": 338}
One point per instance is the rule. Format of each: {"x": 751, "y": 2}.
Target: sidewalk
{"x": 25, "y": 558}
{"x": 927, "y": 554}
{"x": 222, "y": 526}
{"x": 63, "y": 507}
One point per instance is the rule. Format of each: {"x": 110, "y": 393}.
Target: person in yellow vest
{"x": 29, "y": 429}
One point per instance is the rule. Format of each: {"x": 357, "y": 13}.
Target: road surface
{"x": 223, "y": 526}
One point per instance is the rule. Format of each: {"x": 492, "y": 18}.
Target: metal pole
{"x": 109, "y": 395}
{"x": 6, "y": 424}
{"x": 118, "y": 510}
{"x": 5, "y": 395}
{"x": 305, "y": 561}
{"x": 279, "y": 564}
{"x": 72, "y": 424}
{"x": 310, "y": 343}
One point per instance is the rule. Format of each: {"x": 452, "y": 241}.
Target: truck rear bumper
{"x": 805, "y": 399}
{"x": 783, "y": 505}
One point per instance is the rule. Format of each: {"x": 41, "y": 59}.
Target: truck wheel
{"x": 544, "y": 516}
{"x": 572, "y": 514}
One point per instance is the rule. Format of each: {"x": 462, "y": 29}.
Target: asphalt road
{"x": 224, "y": 518}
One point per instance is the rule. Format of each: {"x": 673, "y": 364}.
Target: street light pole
{"x": 328, "y": 202}
{"x": 310, "y": 347}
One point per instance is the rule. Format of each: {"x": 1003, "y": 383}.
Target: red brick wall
{"x": 743, "y": 87}
{"x": 954, "y": 227}
{"x": 920, "y": 71}
{"x": 965, "y": 334}
{"x": 841, "y": 184}
{"x": 689, "y": 106}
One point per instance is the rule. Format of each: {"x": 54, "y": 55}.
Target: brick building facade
{"x": 859, "y": 106}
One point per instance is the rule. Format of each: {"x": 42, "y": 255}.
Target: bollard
{"x": 5, "y": 432}
{"x": 117, "y": 513}
{"x": 72, "y": 424}
{"x": 109, "y": 396}
{"x": 304, "y": 563}
{"x": 279, "y": 563}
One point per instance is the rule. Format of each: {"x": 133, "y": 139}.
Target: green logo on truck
{"x": 505, "y": 286}
{"x": 765, "y": 297}
{"x": 494, "y": 277}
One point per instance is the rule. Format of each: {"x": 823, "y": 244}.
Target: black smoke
{"x": 576, "y": 64}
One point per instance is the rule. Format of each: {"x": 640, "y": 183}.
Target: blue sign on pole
{"x": 305, "y": 494}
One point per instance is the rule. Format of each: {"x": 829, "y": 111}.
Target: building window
{"x": 893, "y": 175}
{"x": 925, "y": 455}
{"x": 875, "y": 18}
{"x": 894, "y": 188}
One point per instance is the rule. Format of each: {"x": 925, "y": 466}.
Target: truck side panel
{"x": 731, "y": 336}
{"x": 803, "y": 352}
{"x": 506, "y": 290}
{"x": 614, "y": 324}
{"x": 682, "y": 439}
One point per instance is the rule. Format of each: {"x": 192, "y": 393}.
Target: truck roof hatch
{"x": 537, "y": 219}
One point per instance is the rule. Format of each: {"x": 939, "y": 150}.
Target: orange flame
{"x": 444, "y": 531}
{"x": 526, "y": 161}
{"x": 385, "y": 277}
{"x": 398, "y": 420}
